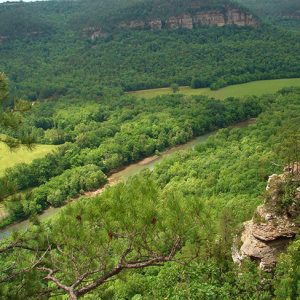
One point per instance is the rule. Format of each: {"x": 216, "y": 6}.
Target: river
{"x": 133, "y": 169}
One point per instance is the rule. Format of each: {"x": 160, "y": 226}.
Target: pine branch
{"x": 122, "y": 265}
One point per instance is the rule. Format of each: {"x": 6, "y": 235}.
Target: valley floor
{"x": 119, "y": 175}
{"x": 256, "y": 88}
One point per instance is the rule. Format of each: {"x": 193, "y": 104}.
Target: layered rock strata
{"x": 274, "y": 224}
{"x": 229, "y": 16}
{"x": 189, "y": 21}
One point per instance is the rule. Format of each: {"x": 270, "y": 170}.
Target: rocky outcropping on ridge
{"x": 274, "y": 224}
{"x": 189, "y": 21}
{"x": 230, "y": 16}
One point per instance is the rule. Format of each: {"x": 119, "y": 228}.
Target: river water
{"x": 123, "y": 174}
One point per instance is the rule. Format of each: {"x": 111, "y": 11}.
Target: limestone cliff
{"x": 230, "y": 16}
{"x": 191, "y": 17}
{"x": 274, "y": 224}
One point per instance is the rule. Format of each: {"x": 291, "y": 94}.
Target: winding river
{"x": 133, "y": 169}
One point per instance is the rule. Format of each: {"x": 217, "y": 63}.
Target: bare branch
{"x": 157, "y": 260}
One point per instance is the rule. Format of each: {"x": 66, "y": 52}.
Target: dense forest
{"x": 172, "y": 231}
{"x": 182, "y": 217}
{"x": 54, "y": 66}
{"x": 51, "y": 55}
{"x": 108, "y": 134}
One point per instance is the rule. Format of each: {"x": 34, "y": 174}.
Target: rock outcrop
{"x": 184, "y": 21}
{"x": 156, "y": 24}
{"x": 190, "y": 18}
{"x": 274, "y": 224}
{"x": 230, "y": 16}
{"x": 240, "y": 18}
{"x": 199, "y": 17}
{"x": 94, "y": 33}
{"x": 213, "y": 18}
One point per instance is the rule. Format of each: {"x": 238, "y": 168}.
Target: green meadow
{"x": 246, "y": 89}
{"x": 9, "y": 158}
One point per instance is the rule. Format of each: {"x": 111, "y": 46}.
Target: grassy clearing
{"x": 9, "y": 158}
{"x": 252, "y": 88}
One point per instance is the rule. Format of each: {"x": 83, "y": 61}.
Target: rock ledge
{"x": 274, "y": 224}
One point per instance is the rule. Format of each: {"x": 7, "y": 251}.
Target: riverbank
{"x": 121, "y": 174}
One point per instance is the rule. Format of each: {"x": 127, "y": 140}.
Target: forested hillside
{"x": 48, "y": 50}
{"x": 59, "y": 65}
{"x": 113, "y": 209}
{"x": 108, "y": 134}
{"x": 179, "y": 221}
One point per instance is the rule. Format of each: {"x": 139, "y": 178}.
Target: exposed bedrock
{"x": 274, "y": 224}
{"x": 230, "y": 16}
{"x": 189, "y": 21}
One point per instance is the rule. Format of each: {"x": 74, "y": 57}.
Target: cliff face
{"x": 189, "y": 21}
{"x": 156, "y": 24}
{"x": 228, "y": 16}
{"x": 184, "y": 21}
{"x": 240, "y": 18}
{"x": 274, "y": 224}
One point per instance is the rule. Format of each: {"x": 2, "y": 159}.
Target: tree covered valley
{"x": 180, "y": 229}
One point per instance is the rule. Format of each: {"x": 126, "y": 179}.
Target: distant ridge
{"x": 97, "y": 18}
{"x": 172, "y": 14}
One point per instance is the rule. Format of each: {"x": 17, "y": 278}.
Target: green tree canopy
{"x": 3, "y": 87}
{"x": 115, "y": 239}
{"x": 12, "y": 118}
